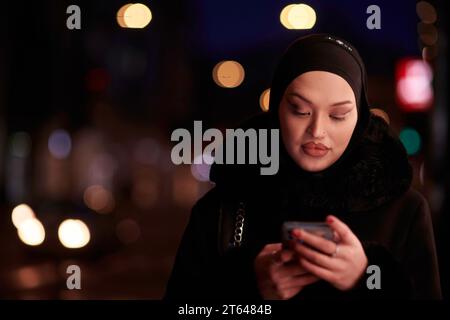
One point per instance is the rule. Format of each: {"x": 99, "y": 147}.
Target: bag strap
{"x": 239, "y": 225}
{"x": 231, "y": 226}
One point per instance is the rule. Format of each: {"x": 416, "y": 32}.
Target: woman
{"x": 339, "y": 164}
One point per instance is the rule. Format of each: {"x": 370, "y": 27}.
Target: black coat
{"x": 375, "y": 199}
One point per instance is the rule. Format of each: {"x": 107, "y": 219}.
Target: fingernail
{"x": 330, "y": 219}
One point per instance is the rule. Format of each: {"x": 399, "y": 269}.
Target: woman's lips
{"x": 315, "y": 150}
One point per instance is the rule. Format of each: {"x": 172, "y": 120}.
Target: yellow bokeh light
{"x": 264, "y": 100}
{"x": 228, "y": 74}
{"x": 31, "y": 232}
{"x": 73, "y": 233}
{"x": 121, "y": 15}
{"x": 21, "y": 213}
{"x": 136, "y": 15}
{"x": 302, "y": 16}
{"x": 284, "y": 16}
{"x": 380, "y": 113}
{"x": 298, "y": 16}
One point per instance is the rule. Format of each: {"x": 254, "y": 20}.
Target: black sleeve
{"x": 200, "y": 272}
{"x": 420, "y": 256}
{"x": 414, "y": 275}
{"x": 193, "y": 272}
{"x": 395, "y": 284}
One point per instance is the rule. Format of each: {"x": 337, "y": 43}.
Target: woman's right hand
{"x": 278, "y": 273}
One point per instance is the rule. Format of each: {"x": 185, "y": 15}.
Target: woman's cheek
{"x": 340, "y": 142}
{"x": 296, "y": 127}
{"x": 296, "y": 137}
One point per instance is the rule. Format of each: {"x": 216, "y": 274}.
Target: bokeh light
{"x": 121, "y": 14}
{"x": 29, "y": 277}
{"x": 200, "y": 167}
{"x": 31, "y": 232}
{"x": 284, "y": 16}
{"x": 73, "y": 233}
{"x": 59, "y": 144}
{"x": 426, "y": 12}
{"x": 411, "y": 140}
{"x": 20, "y": 144}
{"x": 21, "y": 213}
{"x": 429, "y": 53}
{"x": 413, "y": 88}
{"x": 298, "y": 16}
{"x": 428, "y": 33}
{"x": 228, "y": 74}
{"x": 98, "y": 199}
{"x": 264, "y": 100}
{"x": 136, "y": 15}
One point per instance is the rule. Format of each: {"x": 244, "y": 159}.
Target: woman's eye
{"x": 297, "y": 112}
{"x": 338, "y": 118}
{"x": 301, "y": 113}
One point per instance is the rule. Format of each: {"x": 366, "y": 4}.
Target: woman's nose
{"x": 316, "y": 129}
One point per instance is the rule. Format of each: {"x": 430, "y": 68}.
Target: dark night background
{"x": 119, "y": 93}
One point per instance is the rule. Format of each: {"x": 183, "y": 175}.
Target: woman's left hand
{"x": 341, "y": 264}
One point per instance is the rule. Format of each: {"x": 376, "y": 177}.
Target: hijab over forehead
{"x": 318, "y": 52}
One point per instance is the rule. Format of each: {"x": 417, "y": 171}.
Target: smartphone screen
{"x": 318, "y": 228}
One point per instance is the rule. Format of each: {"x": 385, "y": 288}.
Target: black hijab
{"x": 372, "y": 170}
{"x": 323, "y": 52}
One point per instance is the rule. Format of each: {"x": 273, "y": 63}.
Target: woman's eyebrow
{"x": 298, "y": 95}
{"x": 309, "y": 102}
{"x": 341, "y": 103}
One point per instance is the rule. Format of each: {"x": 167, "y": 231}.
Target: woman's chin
{"x": 312, "y": 165}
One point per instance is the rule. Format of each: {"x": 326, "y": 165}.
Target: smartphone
{"x": 318, "y": 228}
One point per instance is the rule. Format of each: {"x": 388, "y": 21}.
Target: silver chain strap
{"x": 239, "y": 225}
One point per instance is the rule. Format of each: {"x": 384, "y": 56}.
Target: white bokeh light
{"x": 73, "y": 233}
{"x": 31, "y": 232}
{"x": 21, "y": 213}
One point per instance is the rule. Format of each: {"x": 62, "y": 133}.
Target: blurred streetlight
{"x": 298, "y": 16}
{"x": 73, "y": 233}
{"x": 228, "y": 74}
{"x": 31, "y": 232}
{"x": 21, "y": 213}
{"x": 136, "y": 16}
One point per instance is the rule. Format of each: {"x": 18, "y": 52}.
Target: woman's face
{"x": 317, "y": 117}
